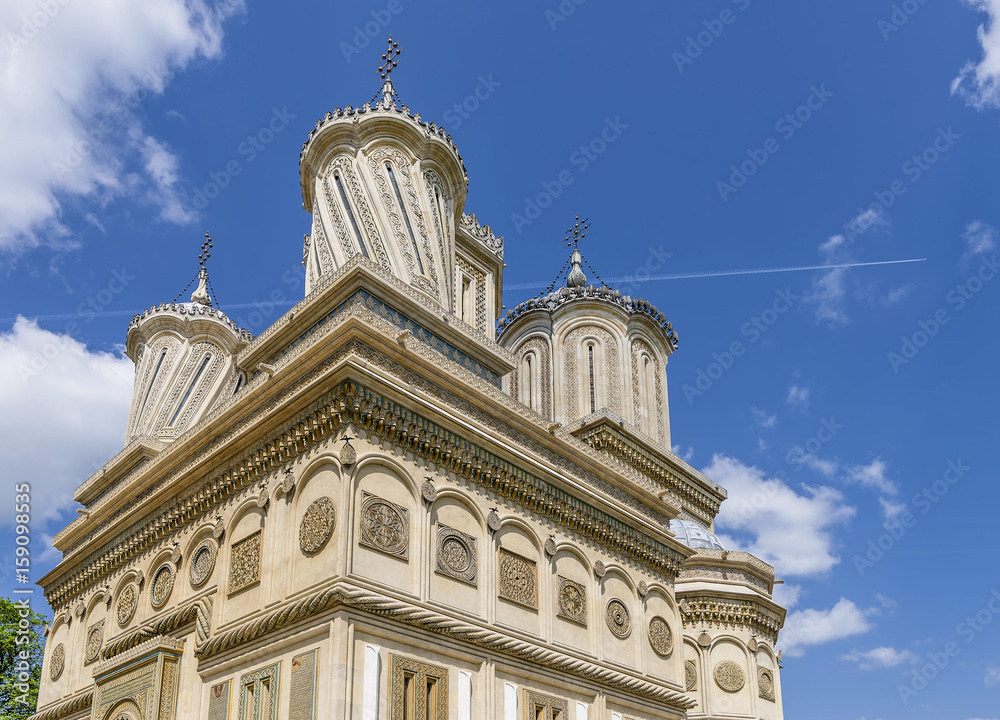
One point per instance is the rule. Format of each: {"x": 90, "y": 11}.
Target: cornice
{"x": 199, "y": 612}
{"x": 69, "y": 707}
{"x": 698, "y": 495}
{"x": 482, "y": 233}
{"x": 121, "y": 465}
{"x": 368, "y": 601}
{"x": 157, "y": 643}
{"x": 715, "y": 610}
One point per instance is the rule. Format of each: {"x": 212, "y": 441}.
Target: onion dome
{"x": 185, "y": 360}
{"x": 585, "y": 349}
{"x": 694, "y": 535}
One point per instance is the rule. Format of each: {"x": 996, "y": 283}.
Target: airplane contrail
{"x": 724, "y": 273}
{"x": 517, "y": 286}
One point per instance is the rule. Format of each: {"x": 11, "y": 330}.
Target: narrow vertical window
{"x": 432, "y": 700}
{"x": 440, "y": 210}
{"x": 593, "y": 396}
{"x": 419, "y": 691}
{"x": 350, "y": 213}
{"x": 191, "y": 387}
{"x": 152, "y": 380}
{"x": 526, "y": 391}
{"x": 468, "y": 301}
{"x": 406, "y": 217}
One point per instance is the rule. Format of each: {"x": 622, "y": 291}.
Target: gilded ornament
{"x": 384, "y": 526}
{"x": 729, "y": 676}
{"x": 572, "y": 601}
{"x": 660, "y": 637}
{"x": 202, "y": 563}
{"x": 128, "y": 598}
{"x": 163, "y": 583}
{"x": 456, "y": 554}
{"x": 57, "y": 662}
{"x": 618, "y": 618}
{"x": 317, "y": 525}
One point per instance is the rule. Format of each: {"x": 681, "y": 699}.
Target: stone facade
{"x": 375, "y": 510}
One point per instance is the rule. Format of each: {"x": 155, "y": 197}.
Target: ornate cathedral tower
{"x": 374, "y": 510}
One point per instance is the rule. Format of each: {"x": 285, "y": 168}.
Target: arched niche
{"x": 459, "y": 548}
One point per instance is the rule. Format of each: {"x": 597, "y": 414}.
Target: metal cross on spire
{"x": 577, "y": 233}
{"x": 389, "y": 59}
{"x": 206, "y": 250}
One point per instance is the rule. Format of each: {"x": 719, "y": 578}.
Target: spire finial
{"x": 385, "y": 70}
{"x": 200, "y": 295}
{"x": 389, "y": 59}
{"x": 574, "y": 235}
{"x": 577, "y": 233}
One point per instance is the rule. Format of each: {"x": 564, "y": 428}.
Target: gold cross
{"x": 389, "y": 59}
{"x": 578, "y": 232}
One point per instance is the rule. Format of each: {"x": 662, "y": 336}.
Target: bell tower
{"x": 381, "y": 183}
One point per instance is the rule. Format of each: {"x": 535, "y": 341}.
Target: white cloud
{"x": 979, "y": 83}
{"x": 798, "y": 396}
{"x": 789, "y": 529}
{"x": 872, "y": 475}
{"x": 804, "y": 628}
{"x": 980, "y": 237}
{"x": 763, "y": 419}
{"x": 68, "y": 88}
{"x": 891, "y": 510}
{"x": 992, "y": 676}
{"x": 896, "y": 294}
{"x": 787, "y": 595}
{"x": 683, "y": 454}
{"x": 827, "y": 293}
{"x": 798, "y": 457}
{"x": 880, "y": 657}
{"x": 65, "y": 410}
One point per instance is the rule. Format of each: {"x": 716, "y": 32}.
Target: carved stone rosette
{"x": 57, "y": 662}
{"x": 572, "y": 601}
{"x": 384, "y": 526}
{"x": 618, "y": 618}
{"x": 660, "y": 637}
{"x": 456, "y": 554}
{"x": 202, "y": 562}
{"x": 518, "y": 579}
{"x": 317, "y": 524}
{"x": 95, "y": 639}
{"x": 128, "y": 599}
{"x": 162, "y": 585}
{"x": 765, "y": 683}
{"x": 690, "y": 675}
{"x": 729, "y": 676}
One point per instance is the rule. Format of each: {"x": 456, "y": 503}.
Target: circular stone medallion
{"x": 618, "y": 618}
{"x": 163, "y": 583}
{"x": 765, "y": 681}
{"x": 660, "y": 637}
{"x": 690, "y": 675}
{"x": 127, "y": 600}
{"x": 317, "y": 524}
{"x": 455, "y": 555}
{"x": 729, "y": 676}
{"x": 202, "y": 563}
{"x": 95, "y": 638}
{"x": 57, "y": 662}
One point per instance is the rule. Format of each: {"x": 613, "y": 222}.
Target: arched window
{"x": 349, "y": 212}
{"x": 406, "y": 215}
{"x": 590, "y": 369}
{"x": 529, "y": 381}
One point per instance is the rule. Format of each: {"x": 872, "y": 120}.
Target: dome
{"x": 694, "y": 535}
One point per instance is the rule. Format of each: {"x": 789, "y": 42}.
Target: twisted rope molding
{"x": 372, "y": 602}
{"x": 200, "y": 611}
{"x": 67, "y": 708}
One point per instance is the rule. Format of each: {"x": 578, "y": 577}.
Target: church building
{"x": 399, "y": 502}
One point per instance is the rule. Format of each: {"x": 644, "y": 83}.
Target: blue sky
{"x": 849, "y": 411}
